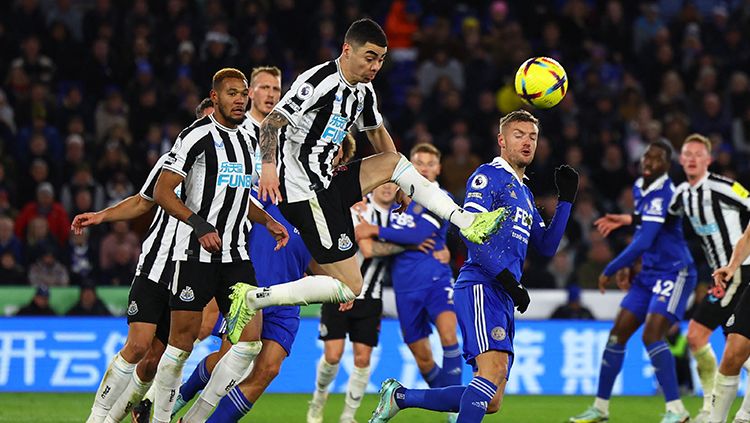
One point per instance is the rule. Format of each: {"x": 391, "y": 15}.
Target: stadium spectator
{"x": 121, "y": 240}
{"x": 89, "y": 304}
{"x": 39, "y": 304}
{"x": 11, "y": 272}
{"x": 47, "y": 270}
{"x": 9, "y": 243}
{"x": 460, "y": 164}
{"x": 573, "y": 309}
{"x": 82, "y": 257}
{"x": 46, "y": 207}
{"x": 82, "y": 180}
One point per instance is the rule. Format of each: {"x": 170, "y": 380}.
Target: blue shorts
{"x": 664, "y": 293}
{"x": 417, "y": 309}
{"x": 280, "y": 324}
{"x": 485, "y": 316}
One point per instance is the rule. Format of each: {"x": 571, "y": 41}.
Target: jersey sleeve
{"x": 734, "y": 194}
{"x": 370, "y": 118}
{"x": 656, "y": 207}
{"x": 147, "y": 190}
{"x": 300, "y": 97}
{"x": 480, "y": 190}
{"x": 545, "y": 239}
{"x": 184, "y": 153}
{"x": 675, "y": 204}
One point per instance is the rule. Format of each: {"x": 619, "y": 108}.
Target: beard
{"x": 227, "y": 115}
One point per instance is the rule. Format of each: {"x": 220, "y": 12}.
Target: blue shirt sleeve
{"x": 424, "y": 227}
{"x": 642, "y": 240}
{"x": 479, "y": 194}
{"x": 546, "y": 240}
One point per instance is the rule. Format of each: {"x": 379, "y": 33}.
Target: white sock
{"x": 310, "y": 289}
{"x": 115, "y": 380}
{"x": 725, "y": 391}
{"x": 676, "y": 406}
{"x": 227, "y": 373}
{"x": 167, "y": 382}
{"x": 429, "y": 194}
{"x": 325, "y": 375}
{"x": 149, "y": 395}
{"x": 602, "y": 405}
{"x": 706, "y": 366}
{"x": 130, "y": 397}
{"x": 354, "y": 392}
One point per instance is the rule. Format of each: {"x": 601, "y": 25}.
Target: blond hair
{"x": 425, "y": 148}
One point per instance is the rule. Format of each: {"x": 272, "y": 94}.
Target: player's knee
{"x": 269, "y": 372}
{"x": 362, "y": 360}
{"x": 650, "y": 335}
{"x": 333, "y": 357}
{"x": 732, "y": 361}
{"x": 696, "y": 339}
{"x": 392, "y": 158}
{"x": 136, "y": 349}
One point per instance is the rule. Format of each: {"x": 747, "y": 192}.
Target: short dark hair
{"x": 205, "y": 104}
{"x": 517, "y": 116}
{"x": 365, "y": 31}
{"x": 665, "y": 146}
{"x": 226, "y": 73}
{"x": 271, "y": 70}
{"x": 425, "y": 148}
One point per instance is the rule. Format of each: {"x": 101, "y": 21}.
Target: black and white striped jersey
{"x": 217, "y": 165}
{"x": 320, "y": 106}
{"x": 155, "y": 261}
{"x": 253, "y": 127}
{"x": 375, "y": 270}
{"x": 716, "y": 207}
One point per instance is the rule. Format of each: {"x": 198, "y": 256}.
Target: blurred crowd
{"x": 94, "y": 91}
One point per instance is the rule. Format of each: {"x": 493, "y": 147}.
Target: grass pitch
{"x": 288, "y": 408}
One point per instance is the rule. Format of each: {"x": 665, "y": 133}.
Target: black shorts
{"x": 739, "y": 320}
{"x": 712, "y": 314}
{"x": 325, "y": 222}
{"x": 362, "y": 322}
{"x": 148, "y": 302}
{"x": 195, "y": 283}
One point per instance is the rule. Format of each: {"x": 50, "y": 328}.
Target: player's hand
{"x": 279, "y": 233}
{"x": 517, "y": 292}
{"x": 443, "y": 256}
{"x": 721, "y": 276}
{"x": 346, "y": 306}
{"x": 622, "y": 278}
{"x": 566, "y": 181}
{"x": 403, "y": 200}
{"x": 605, "y": 225}
{"x": 603, "y": 282}
{"x": 83, "y": 220}
{"x": 269, "y": 184}
{"x": 427, "y": 246}
{"x": 211, "y": 242}
{"x": 365, "y": 230}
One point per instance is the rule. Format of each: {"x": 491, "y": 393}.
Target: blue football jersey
{"x": 275, "y": 267}
{"x": 658, "y": 240}
{"x": 413, "y": 270}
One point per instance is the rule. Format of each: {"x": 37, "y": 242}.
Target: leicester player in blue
{"x": 487, "y": 290}
{"x": 657, "y": 295}
{"x": 422, "y": 284}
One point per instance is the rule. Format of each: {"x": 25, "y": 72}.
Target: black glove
{"x": 566, "y": 181}
{"x": 517, "y": 292}
{"x": 200, "y": 225}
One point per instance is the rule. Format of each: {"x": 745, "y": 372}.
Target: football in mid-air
{"x": 541, "y": 82}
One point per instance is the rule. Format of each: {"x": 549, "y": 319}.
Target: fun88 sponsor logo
{"x": 233, "y": 175}
{"x": 335, "y": 129}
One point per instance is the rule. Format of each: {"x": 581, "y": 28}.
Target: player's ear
{"x": 214, "y": 96}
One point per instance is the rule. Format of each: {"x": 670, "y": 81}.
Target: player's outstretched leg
{"x": 387, "y": 407}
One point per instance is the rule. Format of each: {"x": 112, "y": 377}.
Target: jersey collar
{"x": 657, "y": 184}
{"x": 220, "y": 126}
{"x": 505, "y": 165}
{"x": 700, "y": 182}
{"x": 341, "y": 74}
{"x": 250, "y": 117}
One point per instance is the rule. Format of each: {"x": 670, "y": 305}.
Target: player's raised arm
{"x": 381, "y": 140}
{"x": 127, "y": 209}
{"x": 546, "y": 240}
{"x": 268, "y": 142}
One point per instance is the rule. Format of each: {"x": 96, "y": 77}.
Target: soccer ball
{"x": 541, "y": 82}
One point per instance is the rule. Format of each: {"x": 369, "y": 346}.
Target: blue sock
{"x": 452, "y": 366}
{"x": 475, "y": 400}
{"x": 433, "y": 377}
{"x": 664, "y": 367}
{"x": 438, "y": 399}
{"x": 610, "y": 368}
{"x": 231, "y": 408}
{"x": 196, "y": 382}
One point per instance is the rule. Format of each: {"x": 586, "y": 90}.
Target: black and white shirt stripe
{"x": 321, "y": 106}
{"x": 156, "y": 251}
{"x": 716, "y": 207}
{"x": 253, "y": 127}
{"x": 217, "y": 165}
{"x": 375, "y": 270}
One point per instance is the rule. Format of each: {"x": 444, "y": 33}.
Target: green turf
{"x": 61, "y": 408}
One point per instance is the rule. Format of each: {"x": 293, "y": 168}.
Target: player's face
{"x": 518, "y": 142}
{"x": 386, "y": 193}
{"x": 427, "y": 164}
{"x": 363, "y": 62}
{"x": 265, "y": 92}
{"x": 694, "y": 159}
{"x": 231, "y": 100}
{"x": 654, "y": 163}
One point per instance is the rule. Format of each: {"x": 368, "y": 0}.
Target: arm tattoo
{"x": 269, "y": 136}
{"x": 382, "y": 249}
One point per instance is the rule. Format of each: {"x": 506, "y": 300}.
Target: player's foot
{"x": 387, "y": 407}
{"x": 484, "y": 225}
{"x": 179, "y": 403}
{"x": 315, "y": 409}
{"x": 702, "y": 416}
{"x": 239, "y": 313}
{"x": 141, "y": 413}
{"x": 591, "y": 415}
{"x": 672, "y": 417}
